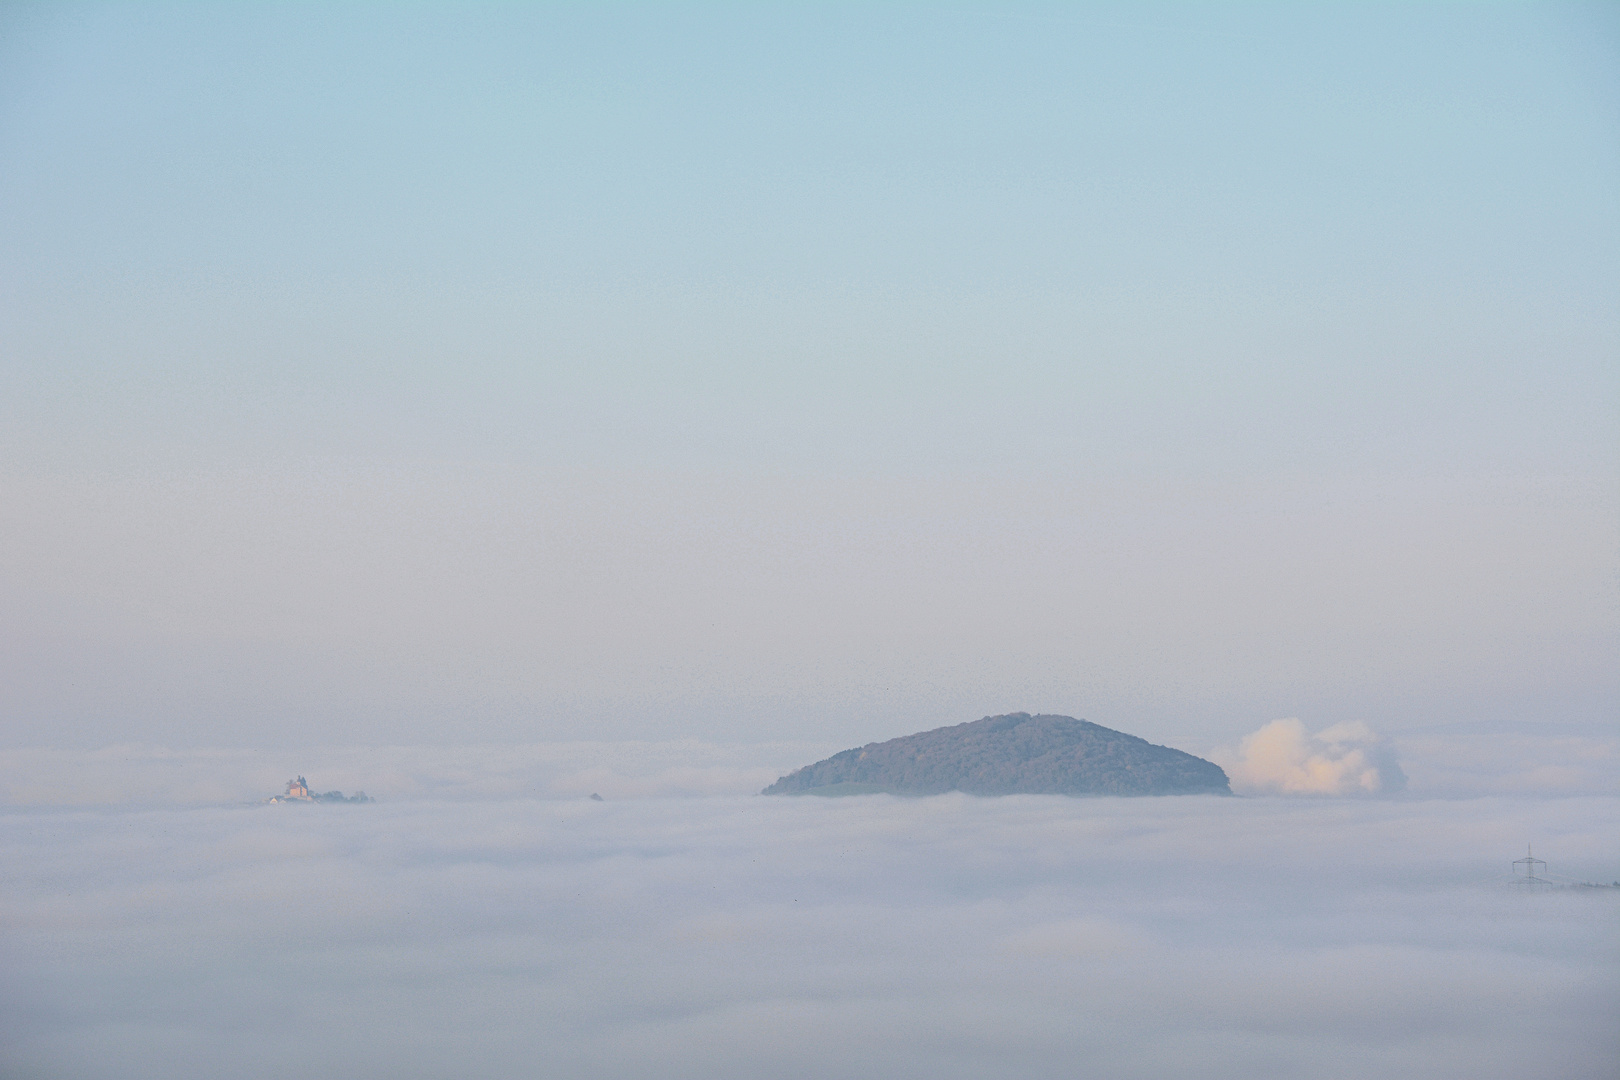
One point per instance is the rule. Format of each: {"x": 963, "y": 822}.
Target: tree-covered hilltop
{"x": 337, "y": 796}
{"x": 1010, "y": 755}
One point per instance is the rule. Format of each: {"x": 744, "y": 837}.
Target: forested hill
{"x": 1007, "y": 755}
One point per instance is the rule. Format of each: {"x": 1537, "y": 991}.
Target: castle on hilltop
{"x": 298, "y": 791}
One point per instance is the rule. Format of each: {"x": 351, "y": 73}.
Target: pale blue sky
{"x": 515, "y": 371}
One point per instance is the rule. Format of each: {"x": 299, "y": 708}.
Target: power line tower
{"x": 1529, "y": 862}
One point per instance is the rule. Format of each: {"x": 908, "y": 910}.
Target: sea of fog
{"x": 519, "y": 929}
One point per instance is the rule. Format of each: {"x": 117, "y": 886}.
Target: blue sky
{"x": 510, "y": 371}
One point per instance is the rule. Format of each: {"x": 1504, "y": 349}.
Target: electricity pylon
{"x": 1529, "y": 862}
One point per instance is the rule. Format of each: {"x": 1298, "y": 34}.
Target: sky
{"x": 417, "y": 375}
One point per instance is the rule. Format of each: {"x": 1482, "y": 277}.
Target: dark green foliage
{"x": 1007, "y": 755}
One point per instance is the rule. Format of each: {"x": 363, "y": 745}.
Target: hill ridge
{"x": 1010, "y": 754}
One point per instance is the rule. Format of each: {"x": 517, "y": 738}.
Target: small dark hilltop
{"x": 298, "y": 791}
{"x": 1016, "y": 754}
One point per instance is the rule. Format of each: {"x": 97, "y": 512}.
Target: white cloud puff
{"x": 1282, "y": 758}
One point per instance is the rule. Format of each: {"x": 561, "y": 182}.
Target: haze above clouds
{"x": 1280, "y": 759}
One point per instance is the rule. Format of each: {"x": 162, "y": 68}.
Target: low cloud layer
{"x": 160, "y": 776}
{"x": 951, "y": 938}
{"x": 1283, "y": 758}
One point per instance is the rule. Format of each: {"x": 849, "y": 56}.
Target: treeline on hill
{"x": 1010, "y": 755}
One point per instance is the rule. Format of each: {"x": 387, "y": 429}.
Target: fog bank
{"x": 871, "y": 936}
{"x": 1279, "y": 758}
